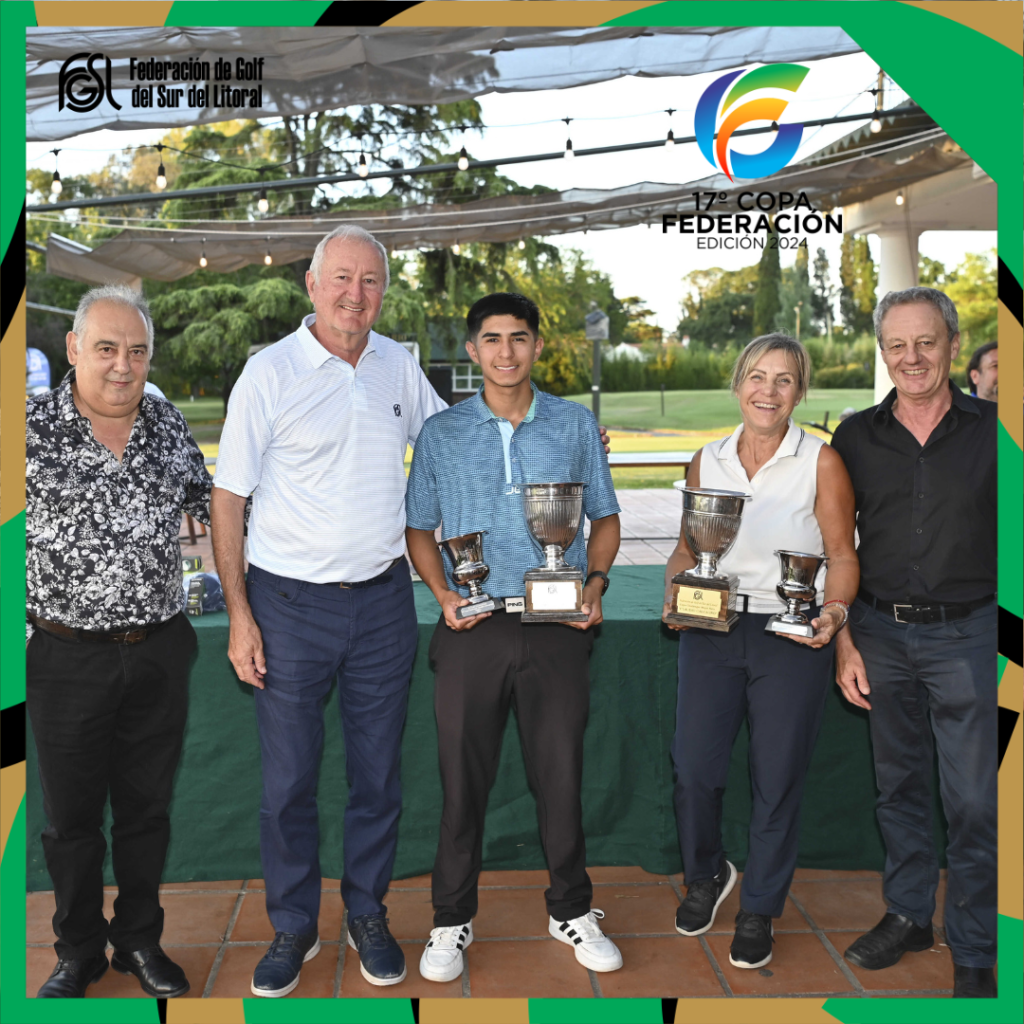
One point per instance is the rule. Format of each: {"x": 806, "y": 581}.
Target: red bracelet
{"x": 836, "y": 600}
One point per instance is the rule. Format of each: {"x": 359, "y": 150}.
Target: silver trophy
{"x": 470, "y": 570}
{"x": 554, "y": 592}
{"x": 702, "y": 596}
{"x": 799, "y": 571}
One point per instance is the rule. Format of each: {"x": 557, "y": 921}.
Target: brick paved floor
{"x": 218, "y": 931}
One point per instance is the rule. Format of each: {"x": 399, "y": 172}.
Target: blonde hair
{"x": 766, "y": 343}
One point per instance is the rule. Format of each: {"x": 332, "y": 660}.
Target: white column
{"x": 897, "y": 269}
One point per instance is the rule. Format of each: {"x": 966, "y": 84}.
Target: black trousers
{"x": 108, "y": 718}
{"x": 541, "y": 669}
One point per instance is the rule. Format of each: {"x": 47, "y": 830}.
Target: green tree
{"x": 821, "y": 301}
{"x": 795, "y": 292}
{"x": 932, "y": 273}
{"x": 718, "y": 307}
{"x": 766, "y": 301}
{"x": 859, "y": 280}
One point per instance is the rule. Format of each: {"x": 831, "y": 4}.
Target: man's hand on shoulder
{"x": 604, "y": 438}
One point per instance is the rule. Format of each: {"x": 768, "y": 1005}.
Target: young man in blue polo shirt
{"x": 469, "y": 463}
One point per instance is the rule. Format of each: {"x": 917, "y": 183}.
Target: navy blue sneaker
{"x": 278, "y": 972}
{"x": 381, "y": 960}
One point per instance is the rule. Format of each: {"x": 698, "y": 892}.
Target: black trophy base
{"x": 793, "y": 626}
{"x": 701, "y": 603}
{"x": 554, "y": 596}
{"x": 479, "y": 605}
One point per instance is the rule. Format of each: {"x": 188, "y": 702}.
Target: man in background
{"x": 983, "y": 372}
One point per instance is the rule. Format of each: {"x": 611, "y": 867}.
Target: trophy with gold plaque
{"x": 554, "y": 591}
{"x": 702, "y": 596}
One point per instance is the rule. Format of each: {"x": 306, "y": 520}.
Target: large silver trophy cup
{"x": 702, "y": 596}
{"x": 470, "y": 570}
{"x": 554, "y": 592}
{"x": 799, "y": 571}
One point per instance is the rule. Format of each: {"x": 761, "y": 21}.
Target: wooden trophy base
{"x": 553, "y": 596}
{"x": 704, "y": 603}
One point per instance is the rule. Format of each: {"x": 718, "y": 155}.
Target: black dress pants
{"x": 108, "y": 718}
{"x": 541, "y": 669}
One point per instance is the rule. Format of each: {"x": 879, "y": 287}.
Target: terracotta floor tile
{"x": 39, "y": 908}
{"x": 410, "y": 914}
{"x": 194, "y": 918}
{"x": 255, "y": 884}
{"x": 661, "y": 967}
{"x": 619, "y": 875}
{"x": 417, "y": 882}
{"x": 853, "y": 904}
{"x": 190, "y": 886}
{"x": 818, "y": 874}
{"x": 725, "y": 920}
{"x": 330, "y": 883}
{"x": 515, "y": 878}
{"x": 355, "y": 986}
{"x": 637, "y": 909}
{"x": 800, "y": 963}
{"x": 940, "y": 900}
{"x": 253, "y": 925}
{"x": 235, "y": 974}
{"x": 511, "y": 912}
{"x": 536, "y": 969}
{"x": 929, "y": 969}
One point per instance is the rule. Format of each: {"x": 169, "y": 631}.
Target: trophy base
{"x": 554, "y": 595}
{"x": 779, "y": 624}
{"x": 479, "y": 605}
{"x": 704, "y": 603}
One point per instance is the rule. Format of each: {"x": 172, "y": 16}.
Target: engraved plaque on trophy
{"x": 702, "y": 597}
{"x": 470, "y": 570}
{"x": 554, "y": 591}
{"x": 799, "y": 571}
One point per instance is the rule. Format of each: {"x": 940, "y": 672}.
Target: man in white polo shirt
{"x": 316, "y": 432}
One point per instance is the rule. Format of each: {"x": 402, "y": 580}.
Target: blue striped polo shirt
{"x": 460, "y": 477}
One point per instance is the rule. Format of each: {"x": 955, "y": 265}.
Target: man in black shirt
{"x": 109, "y": 471}
{"x": 922, "y": 638}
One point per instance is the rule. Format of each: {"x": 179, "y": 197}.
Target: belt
{"x": 922, "y": 614}
{"x": 376, "y": 581}
{"x": 92, "y": 636}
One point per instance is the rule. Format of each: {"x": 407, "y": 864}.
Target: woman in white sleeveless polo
{"x": 802, "y": 500}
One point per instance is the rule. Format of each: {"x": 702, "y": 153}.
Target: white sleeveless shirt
{"x": 779, "y": 515}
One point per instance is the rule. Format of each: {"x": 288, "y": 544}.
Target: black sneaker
{"x": 752, "y": 943}
{"x": 696, "y": 914}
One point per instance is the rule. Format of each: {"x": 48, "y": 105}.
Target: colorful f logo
{"x": 712, "y": 114}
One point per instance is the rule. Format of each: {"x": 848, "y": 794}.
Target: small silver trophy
{"x": 554, "y": 592}
{"x": 799, "y": 571}
{"x": 702, "y": 596}
{"x": 470, "y": 570}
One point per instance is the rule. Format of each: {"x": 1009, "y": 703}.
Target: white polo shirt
{"x": 320, "y": 446}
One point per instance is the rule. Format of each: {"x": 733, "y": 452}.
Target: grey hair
{"x": 123, "y": 296}
{"x": 774, "y": 343}
{"x": 942, "y": 302}
{"x": 354, "y": 233}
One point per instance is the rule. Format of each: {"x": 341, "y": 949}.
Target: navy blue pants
{"x": 780, "y": 687}
{"x": 934, "y": 686}
{"x": 366, "y": 637}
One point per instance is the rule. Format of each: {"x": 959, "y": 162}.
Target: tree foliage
{"x": 795, "y": 293}
{"x": 859, "y": 281}
{"x": 718, "y": 307}
{"x": 766, "y": 299}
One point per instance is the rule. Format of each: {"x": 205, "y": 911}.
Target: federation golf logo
{"x": 81, "y": 89}
{"x": 713, "y": 115}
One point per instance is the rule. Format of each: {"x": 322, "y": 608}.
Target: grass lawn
{"x": 709, "y": 410}
{"x": 205, "y": 417}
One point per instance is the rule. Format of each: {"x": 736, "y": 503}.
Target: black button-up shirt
{"x": 926, "y": 515}
{"x": 102, "y": 535}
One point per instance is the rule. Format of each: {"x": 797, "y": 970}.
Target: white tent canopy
{"x": 324, "y": 68}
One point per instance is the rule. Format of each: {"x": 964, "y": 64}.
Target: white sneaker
{"x": 442, "y": 955}
{"x": 593, "y": 948}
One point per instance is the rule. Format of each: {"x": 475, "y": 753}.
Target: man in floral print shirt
{"x": 109, "y": 472}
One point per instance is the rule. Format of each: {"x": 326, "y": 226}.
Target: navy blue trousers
{"x": 366, "y": 637}
{"x": 934, "y": 686}
{"x": 780, "y": 687}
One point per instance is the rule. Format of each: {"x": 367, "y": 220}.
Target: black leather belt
{"x": 922, "y": 614}
{"x": 93, "y": 636}
{"x": 376, "y": 581}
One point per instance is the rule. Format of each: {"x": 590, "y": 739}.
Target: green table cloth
{"x": 627, "y": 784}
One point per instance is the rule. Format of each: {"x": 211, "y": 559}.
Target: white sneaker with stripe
{"x": 442, "y": 955}
{"x": 592, "y": 947}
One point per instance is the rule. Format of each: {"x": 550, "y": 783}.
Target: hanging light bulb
{"x": 55, "y": 186}
{"x": 569, "y": 154}
{"x": 362, "y": 169}
{"x": 456, "y": 249}
{"x": 775, "y": 126}
{"x": 670, "y": 139}
{"x": 899, "y": 198}
{"x": 263, "y": 204}
{"x": 876, "y": 126}
{"x": 161, "y": 171}
{"x": 463, "y": 163}
{"x": 202, "y": 259}
{"x": 522, "y": 243}
{"x": 268, "y": 259}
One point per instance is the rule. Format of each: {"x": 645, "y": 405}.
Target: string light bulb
{"x": 775, "y": 126}
{"x": 263, "y": 204}
{"x": 456, "y": 249}
{"x": 876, "y": 126}
{"x": 161, "y": 171}
{"x": 202, "y": 258}
{"x": 670, "y": 139}
{"x": 463, "y": 163}
{"x": 899, "y": 198}
{"x": 362, "y": 168}
{"x": 522, "y": 243}
{"x": 568, "y": 154}
{"x": 268, "y": 259}
{"x": 56, "y": 187}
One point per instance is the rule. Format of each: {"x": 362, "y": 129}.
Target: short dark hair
{"x": 975, "y": 363}
{"x": 502, "y": 304}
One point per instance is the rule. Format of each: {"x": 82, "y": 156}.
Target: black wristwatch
{"x": 602, "y": 575}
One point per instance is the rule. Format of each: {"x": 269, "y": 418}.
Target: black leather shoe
{"x": 893, "y": 936}
{"x": 70, "y": 978}
{"x": 974, "y": 982}
{"x": 159, "y": 976}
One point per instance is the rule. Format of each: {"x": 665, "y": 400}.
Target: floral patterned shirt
{"x": 102, "y": 535}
